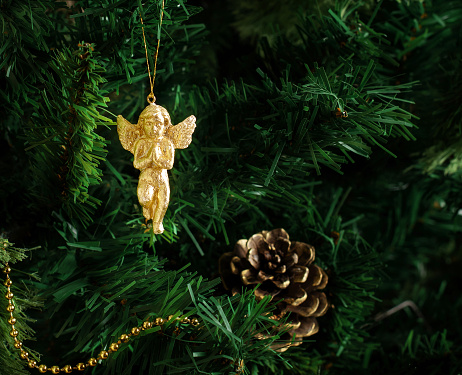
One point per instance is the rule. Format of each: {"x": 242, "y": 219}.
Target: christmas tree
{"x": 339, "y": 122}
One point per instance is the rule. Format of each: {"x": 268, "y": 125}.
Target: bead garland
{"x": 92, "y": 362}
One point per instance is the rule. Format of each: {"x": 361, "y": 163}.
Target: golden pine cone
{"x": 286, "y": 273}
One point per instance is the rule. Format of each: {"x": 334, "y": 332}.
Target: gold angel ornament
{"x": 153, "y": 141}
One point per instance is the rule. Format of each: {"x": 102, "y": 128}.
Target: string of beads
{"x": 103, "y": 355}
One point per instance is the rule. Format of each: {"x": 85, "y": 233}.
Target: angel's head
{"x": 154, "y": 120}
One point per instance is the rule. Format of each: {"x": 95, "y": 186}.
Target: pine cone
{"x": 286, "y": 273}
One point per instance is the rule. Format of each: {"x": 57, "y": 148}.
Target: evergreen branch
{"x": 427, "y": 35}
{"x": 66, "y": 148}
{"x": 25, "y": 28}
{"x": 110, "y": 298}
{"x": 290, "y": 122}
{"x": 261, "y": 158}
{"x": 304, "y": 117}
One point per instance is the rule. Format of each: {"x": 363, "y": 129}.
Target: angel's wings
{"x": 181, "y": 134}
{"x": 128, "y": 133}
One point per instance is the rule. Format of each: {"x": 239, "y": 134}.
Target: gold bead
{"x": 170, "y": 317}
{"x": 67, "y": 369}
{"x": 8, "y": 282}
{"x": 14, "y": 333}
{"x": 92, "y": 362}
{"x": 185, "y": 321}
{"x": 9, "y": 295}
{"x": 124, "y": 338}
{"x": 42, "y": 368}
{"x": 12, "y": 320}
{"x": 114, "y": 347}
{"x": 159, "y": 321}
{"x": 136, "y": 331}
{"x": 10, "y": 308}
{"x": 194, "y": 322}
{"x": 7, "y": 270}
{"x": 103, "y": 354}
{"x": 32, "y": 363}
{"x": 24, "y": 354}
{"x": 55, "y": 370}
{"x": 18, "y": 344}
{"x": 147, "y": 325}
{"x": 80, "y": 366}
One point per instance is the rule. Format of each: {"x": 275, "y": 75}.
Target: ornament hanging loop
{"x": 151, "y": 98}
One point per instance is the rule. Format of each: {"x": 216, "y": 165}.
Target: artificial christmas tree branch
{"x": 67, "y": 156}
{"x": 225, "y": 322}
{"x": 307, "y": 119}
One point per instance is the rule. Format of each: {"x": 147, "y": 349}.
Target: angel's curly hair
{"x": 152, "y": 109}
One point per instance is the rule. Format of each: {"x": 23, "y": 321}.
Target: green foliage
{"x": 117, "y": 297}
{"x": 447, "y": 158}
{"x": 303, "y": 125}
{"x": 67, "y": 150}
{"x": 421, "y": 32}
{"x": 25, "y": 30}
{"x": 254, "y": 20}
{"x": 424, "y": 234}
{"x": 263, "y": 139}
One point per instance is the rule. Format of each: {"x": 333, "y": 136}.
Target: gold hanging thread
{"x": 153, "y": 141}
{"x": 151, "y": 98}
{"x": 92, "y": 362}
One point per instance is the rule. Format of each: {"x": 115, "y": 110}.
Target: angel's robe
{"x": 153, "y": 157}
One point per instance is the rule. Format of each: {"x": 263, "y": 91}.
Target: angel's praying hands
{"x": 152, "y": 142}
